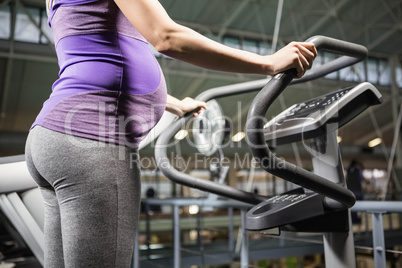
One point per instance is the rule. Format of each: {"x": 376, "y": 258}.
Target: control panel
{"x": 313, "y": 118}
{"x": 309, "y": 108}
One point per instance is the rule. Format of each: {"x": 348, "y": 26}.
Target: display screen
{"x": 306, "y": 108}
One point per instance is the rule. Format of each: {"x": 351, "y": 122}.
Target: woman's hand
{"x": 189, "y": 104}
{"x": 181, "y": 107}
{"x": 298, "y": 55}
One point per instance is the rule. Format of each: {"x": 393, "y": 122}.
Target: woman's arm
{"x": 177, "y": 41}
{"x": 181, "y": 107}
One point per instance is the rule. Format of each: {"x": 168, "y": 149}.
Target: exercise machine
{"x": 323, "y": 202}
{"x": 322, "y": 206}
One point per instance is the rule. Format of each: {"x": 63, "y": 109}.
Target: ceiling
{"x": 28, "y": 70}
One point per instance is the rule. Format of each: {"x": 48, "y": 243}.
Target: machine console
{"x": 313, "y": 118}
{"x": 306, "y": 109}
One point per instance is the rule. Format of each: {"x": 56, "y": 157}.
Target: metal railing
{"x": 376, "y": 208}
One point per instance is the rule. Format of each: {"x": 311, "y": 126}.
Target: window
{"x": 5, "y": 19}
{"x": 327, "y": 57}
{"x": 45, "y": 28}
{"x": 399, "y": 76}
{"x": 250, "y": 45}
{"x": 353, "y": 73}
{"x": 264, "y": 48}
{"x": 372, "y": 71}
{"x": 384, "y": 73}
{"x": 232, "y": 42}
{"x": 25, "y": 29}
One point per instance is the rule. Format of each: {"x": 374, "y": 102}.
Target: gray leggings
{"x": 92, "y": 196}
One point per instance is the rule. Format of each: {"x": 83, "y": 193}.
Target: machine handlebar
{"x": 352, "y": 53}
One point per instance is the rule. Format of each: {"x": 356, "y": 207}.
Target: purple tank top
{"x": 110, "y": 85}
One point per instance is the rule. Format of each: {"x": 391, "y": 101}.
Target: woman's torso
{"x": 110, "y": 86}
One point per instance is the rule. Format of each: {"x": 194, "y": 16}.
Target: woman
{"x": 109, "y": 94}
